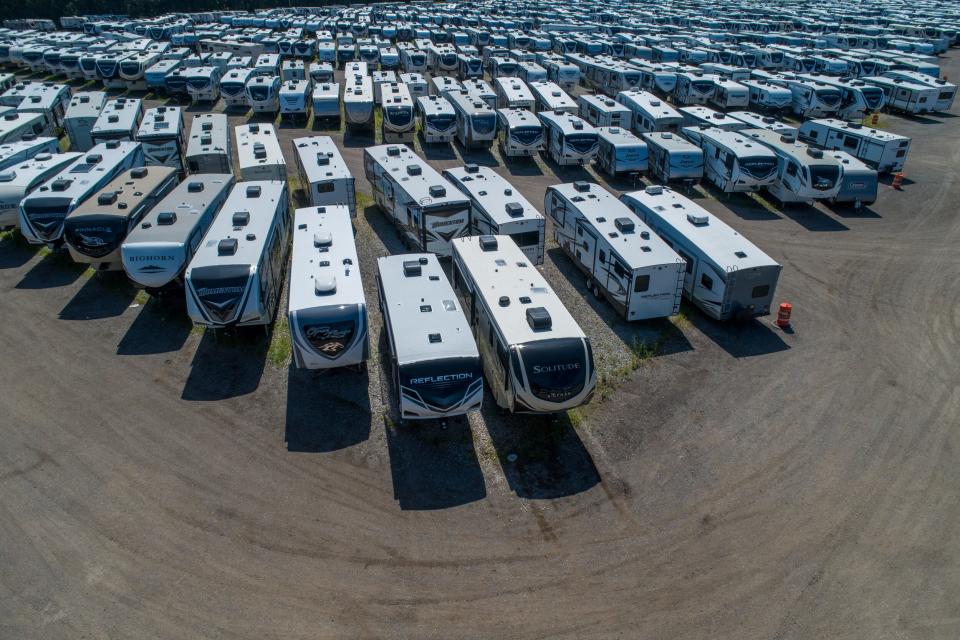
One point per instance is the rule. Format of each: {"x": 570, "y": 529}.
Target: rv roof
{"x": 420, "y": 187}
{"x": 492, "y": 192}
{"x": 505, "y": 271}
{"x": 160, "y": 122}
{"x": 408, "y": 298}
{"x": 122, "y": 195}
{"x": 320, "y": 158}
{"x": 788, "y": 145}
{"x": 855, "y": 129}
{"x": 186, "y": 201}
{"x": 324, "y": 253}
{"x": 619, "y": 136}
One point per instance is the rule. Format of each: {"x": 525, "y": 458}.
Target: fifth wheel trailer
{"x": 323, "y": 172}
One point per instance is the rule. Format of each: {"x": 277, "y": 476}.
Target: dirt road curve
{"x": 746, "y": 483}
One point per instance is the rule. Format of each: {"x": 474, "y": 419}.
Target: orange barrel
{"x": 897, "y": 180}
{"x": 874, "y": 119}
{"x": 783, "y": 315}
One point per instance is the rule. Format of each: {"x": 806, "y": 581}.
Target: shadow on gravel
{"x": 54, "y": 270}
{"x": 227, "y": 364}
{"x": 326, "y": 410}
{"x": 162, "y": 326}
{"x": 567, "y": 173}
{"x": 433, "y": 467}
{"x": 743, "y": 205}
{"x": 740, "y": 339}
{"x": 106, "y": 295}
{"x": 16, "y": 252}
{"x": 523, "y": 166}
{"x": 358, "y": 137}
{"x": 481, "y": 156}
{"x": 436, "y": 150}
{"x": 388, "y": 234}
{"x": 848, "y": 211}
{"x": 551, "y": 461}
{"x": 812, "y": 219}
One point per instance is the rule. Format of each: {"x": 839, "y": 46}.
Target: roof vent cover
{"x": 539, "y": 319}
{"x": 411, "y": 268}
{"x": 227, "y": 247}
{"x": 437, "y": 191}
{"x": 514, "y": 209}
{"x": 581, "y": 186}
{"x": 625, "y": 225}
{"x": 241, "y": 218}
{"x": 488, "y": 243}
{"x": 698, "y": 218}
{"x": 166, "y": 218}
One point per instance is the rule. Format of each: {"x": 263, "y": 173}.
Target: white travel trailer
{"x": 259, "y": 153}
{"x": 672, "y": 157}
{"x": 17, "y": 125}
{"x": 233, "y": 87}
{"x": 767, "y": 96}
{"x": 81, "y": 116}
{"x": 906, "y": 96}
{"x": 513, "y": 93}
{"x": 156, "y": 252}
{"x": 209, "y": 149}
{"x": 470, "y": 66}
{"x": 118, "y": 120}
{"x": 326, "y": 308}
{"x": 20, "y": 178}
{"x": 434, "y": 364}
{"x": 497, "y": 208}
{"x": 155, "y": 77}
{"x": 565, "y": 74}
{"x": 480, "y": 90}
{"x": 947, "y": 90}
{"x": 813, "y": 99}
{"x": 728, "y": 94}
{"x": 292, "y": 69}
{"x": 398, "y": 123}
{"x": 694, "y": 87}
{"x": 602, "y": 111}
{"x": 417, "y": 85}
{"x": 48, "y": 98}
{"x": 476, "y": 121}
{"x": 358, "y": 103}
{"x": 733, "y": 162}
{"x": 804, "y": 174}
{"x": 133, "y": 68}
{"x": 701, "y": 116}
{"x": 532, "y": 72}
{"x": 295, "y": 100}
{"x": 236, "y": 274}
{"x": 535, "y": 357}
{"x": 163, "y": 137}
{"x": 859, "y": 184}
{"x": 323, "y": 173}
{"x": 43, "y": 211}
{"x": 425, "y": 208}
{"x": 94, "y": 231}
{"x": 203, "y": 83}
{"x": 326, "y": 101}
{"x": 884, "y": 151}
{"x": 321, "y": 72}
{"x": 550, "y": 97}
{"x": 263, "y": 93}
{"x": 520, "y": 132}
{"x": 752, "y": 120}
{"x": 441, "y": 85}
{"x": 438, "y": 120}
{"x": 380, "y": 78}
{"x": 569, "y": 139}
{"x": 12, "y": 153}
{"x": 726, "y": 276}
{"x": 238, "y": 62}
{"x": 737, "y": 74}
{"x": 267, "y": 64}
{"x": 624, "y": 263}
{"x": 621, "y": 152}
{"x": 649, "y": 113}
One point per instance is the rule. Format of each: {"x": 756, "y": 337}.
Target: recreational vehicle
{"x": 621, "y": 152}
{"x": 295, "y": 100}
{"x": 203, "y": 83}
{"x": 441, "y": 85}
{"x": 520, "y": 132}
{"x": 326, "y": 101}
{"x": 380, "y": 78}
{"x": 118, "y": 120}
{"x": 414, "y": 60}
{"x": 94, "y": 231}
{"x": 737, "y": 74}
{"x": 694, "y": 87}
{"x": 532, "y": 72}
{"x": 323, "y": 173}
{"x": 700, "y": 116}
{"x": 292, "y": 70}
{"x": 649, "y": 113}
{"x": 906, "y": 96}
{"x": 502, "y": 67}
{"x": 733, "y": 162}
{"x": 671, "y": 157}
{"x": 947, "y": 90}
{"x": 753, "y": 120}
{"x": 17, "y": 125}
{"x": 358, "y": 104}
{"x": 437, "y": 119}
{"x": 728, "y": 94}
{"x": 804, "y": 174}
{"x": 884, "y": 151}
{"x": 476, "y": 121}
{"x": 163, "y": 137}
{"x": 20, "y": 178}
{"x": 859, "y": 184}
{"x": 133, "y": 68}
{"x": 267, "y": 64}
{"x": 416, "y": 198}
{"x": 398, "y": 123}
{"x": 416, "y": 84}
{"x": 624, "y": 263}
{"x": 12, "y": 153}
{"x": 534, "y": 355}
{"x": 233, "y": 87}
{"x": 767, "y": 96}
{"x": 81, "y": 116}
{"x": 326, "y": 307}
{"x": 470, "y": 66}
{"x": 513, "y": 93}
{"x": 434, "y": 364}
{"x": 497, "y": 208}
{"x": 857, "y": 98}
{"x": 548, "y": 96}
{"x": 565, "y": 74}
{"x": 263, "y": 93}
{"x": 235, "y": 277}
{"x": 569, "y": 140}
{"x": 321, "y": 72}
{"x": 156, "y": 252}
{"x": 209, "y": 149}
{"x": 601, "y": 111}
{"x": 726, "y": 275}
{"x": 813, "y": 99}
{"x": 480, "y": 90}
{"x": 259, "y": 154}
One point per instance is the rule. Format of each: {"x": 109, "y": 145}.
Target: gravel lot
{"x": 737, "y": 482}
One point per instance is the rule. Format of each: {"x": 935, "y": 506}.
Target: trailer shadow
{"x": 848, "y": 211}
{"x": 568, "y": 172}
{"x": 162, "y": 326}
{"x": 359, "y": 138}
{"x": 15, "y": 251}
{"x": 740, "y": 339}
{"x": 473, "y": 155}
{"x": 812, "y": 218}
{"x": 436, "y": 150}
{"x": 55, "y": 269}
{"x": 743, "y": 205}
{"x": 226, "y": 364}
{"x": 388, "y": 234}
{"x": 542, "y": 457}
{"x": 525, "y": 166}
{"x": 326, "y": 125}
{"x": 105, "y": 295}
{"x": 326, "y": 410}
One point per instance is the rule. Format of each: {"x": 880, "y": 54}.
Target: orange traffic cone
{"x": 898, "y": 181}
{"x": 783, "y": 315}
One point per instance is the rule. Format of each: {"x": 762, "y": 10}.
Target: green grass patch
{"x": 141, "y": 298}
{"x": 64, "y": 144}
{"x": 377, "y": 125}
{"x": 279, "y": 351}
{"x": 364, "y": 200}
{"x": 198, "y": 330}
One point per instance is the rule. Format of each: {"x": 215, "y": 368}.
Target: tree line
{"x": 54, "y": 9}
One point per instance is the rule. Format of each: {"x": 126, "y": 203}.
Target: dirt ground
{"x": 730, "y": 481}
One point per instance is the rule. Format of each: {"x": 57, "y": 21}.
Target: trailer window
{"x": 526, "y": 238}
{"x": 325, "y": 187}
{"x": 641, "y": 284}
{"x": 620, "y": 270}
{"x": 603, "y": 256}
{"x": 707, "y": 282}
{"x": 791, "y": 169}
{"x": 761, "y": 291}
{"x": 850, "y": 142}
{"x": 688, "y": 260}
